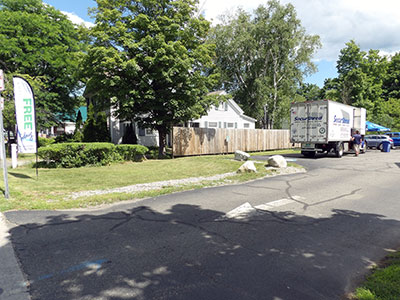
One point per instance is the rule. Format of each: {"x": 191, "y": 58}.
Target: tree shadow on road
{"x": 192, "y": 253}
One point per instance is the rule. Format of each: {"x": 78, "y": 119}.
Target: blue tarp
{"x": 375, "y": 127}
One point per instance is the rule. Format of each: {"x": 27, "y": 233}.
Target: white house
{"x": 227, "y": 115}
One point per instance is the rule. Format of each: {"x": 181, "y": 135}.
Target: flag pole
{"x": 3, "y": 147}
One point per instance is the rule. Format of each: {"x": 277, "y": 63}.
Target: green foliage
{"x": 360, "y": 80}
{"x": 73, "y": 155}
{"x": 263, "y": 57}
{"x": 95, "y": 128}
{"x": 153, "y": 153}
{"x": 64, "y": 138}
{"x": 384, "y": 283}
{"x": 129, "y": 135}
{"x": 42, "y": 45}
{"x": 43, "y": 142}
{"x": 391, "y": 84}
{"x": 131, "y": 152}
{"x": 150, "y": 58}
{"x": 309, "y": 92}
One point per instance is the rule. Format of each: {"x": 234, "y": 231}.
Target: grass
{"x": 384, "y": 282}
{"x": 52, "y": 187}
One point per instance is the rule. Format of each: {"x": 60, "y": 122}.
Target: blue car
{"x": 395, "y": 137}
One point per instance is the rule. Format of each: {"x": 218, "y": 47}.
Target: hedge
{"x": 73, "y": 155}
{"x": 132, "y": 152}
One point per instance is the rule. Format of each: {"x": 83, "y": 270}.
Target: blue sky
{"x": 372, "y": 24}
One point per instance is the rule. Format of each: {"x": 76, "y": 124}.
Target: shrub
{"x": 72, "y": 155}
{"x": 132, "y": 152}
{"x": 43, "y": 142}
{"x": 65, "y": 138}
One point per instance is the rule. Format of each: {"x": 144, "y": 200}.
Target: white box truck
{"x": 324, "y": 126}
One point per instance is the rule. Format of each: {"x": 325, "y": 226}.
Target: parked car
{"x": 376, "y": 141}
{"x": 395, "y": 137}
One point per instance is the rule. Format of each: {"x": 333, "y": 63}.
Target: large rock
{"x": 277, "y": 161}
{"x": 240, "y": 155}
{"x": 247, "y": 167}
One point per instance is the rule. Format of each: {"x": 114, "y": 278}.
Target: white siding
{"x": 226, "y": 116}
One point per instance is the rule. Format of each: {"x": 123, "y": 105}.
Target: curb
{"x": 12, "y": 282}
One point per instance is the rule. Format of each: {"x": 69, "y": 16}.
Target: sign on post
{"x": 25, "y": 113}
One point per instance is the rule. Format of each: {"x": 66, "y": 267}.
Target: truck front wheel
{"x": 339, "y": 150}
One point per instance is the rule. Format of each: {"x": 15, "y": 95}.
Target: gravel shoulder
{"x": 176, "y": 182}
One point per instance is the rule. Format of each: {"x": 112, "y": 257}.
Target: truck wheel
{"x": 339, "y": 150}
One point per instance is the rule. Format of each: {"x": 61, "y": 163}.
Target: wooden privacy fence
{"x": 197, "y": 141}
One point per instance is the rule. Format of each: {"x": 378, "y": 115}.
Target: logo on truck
{"x": 341, "y": 120}
{"x": 308, "y": 118}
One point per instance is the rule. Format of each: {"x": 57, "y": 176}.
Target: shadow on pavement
{"x": 187, "y": 253}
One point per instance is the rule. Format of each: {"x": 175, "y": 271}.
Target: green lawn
{"x": 52, "y": 187}
{"x": 384, "y": 282}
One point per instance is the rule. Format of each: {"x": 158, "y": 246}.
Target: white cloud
{"x": 77, "y": 20}
{"x": 372, "y": 24}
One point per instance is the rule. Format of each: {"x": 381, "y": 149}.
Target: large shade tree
{"x": 41, "y": 44}
{"x": 149, "y": 61}
{"x": 360, "y": 80}
{"x": 263, "y": 57}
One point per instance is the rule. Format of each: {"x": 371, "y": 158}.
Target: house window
{"x": 246, "y": 125}
{"x": 195, "y": 124}
{"x": 149, "y": 131}
{"x": 222, "y": 106}
{"x": 230, "y": 125}
{"x": 142, "y": 132}
{"x": 213, "y": 124}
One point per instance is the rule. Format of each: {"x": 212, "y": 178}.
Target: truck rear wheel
{"x": 339, "y": 150}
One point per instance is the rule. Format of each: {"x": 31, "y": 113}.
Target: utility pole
{"x": 2, "y": 145}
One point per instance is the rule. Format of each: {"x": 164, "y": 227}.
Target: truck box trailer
{"x": 323, "y": 126}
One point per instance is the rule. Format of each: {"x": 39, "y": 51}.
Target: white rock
{"x": 240, "y": 155}
{"x": 277, "y": 161}
{"x": 247, "y": 167}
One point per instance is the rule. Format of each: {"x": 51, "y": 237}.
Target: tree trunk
{"x": 162, "y": 136}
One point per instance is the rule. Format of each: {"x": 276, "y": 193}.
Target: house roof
{"x": 234, "y": 106}
{"x": 72, "y": 117}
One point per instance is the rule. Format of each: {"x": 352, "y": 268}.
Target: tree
{"x": 149, "y": 60}
{"x": 309, "y": 92}
{"x": 129, "y": 135}
{"x": 360, "y": 80}
{"x": 391, "y": 85}
{"x": 78, "y": 135}
{"x": 263, "y": 57}
{"x": 39, "y": 43}
{"x": 95, "y": 128}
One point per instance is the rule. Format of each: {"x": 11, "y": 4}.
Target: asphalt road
{"x": 301, "y": 236}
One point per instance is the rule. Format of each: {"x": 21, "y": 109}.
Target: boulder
{"x": 240, "y": 155}
{"x": 277, "y": 161}
{"x": 247, "y": 167}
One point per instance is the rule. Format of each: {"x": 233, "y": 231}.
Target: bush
{"x": 65, "y": 138}
{"x": 153, "y": 153}
{"x": 132, "y": 152}
{"x": 73, "y": 155}
{"x": 43, "y": 142}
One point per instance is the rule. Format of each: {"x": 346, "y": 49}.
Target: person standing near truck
{"x": 356, "y": 142}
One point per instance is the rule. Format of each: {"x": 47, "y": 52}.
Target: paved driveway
{"x": 301, "y": 236}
